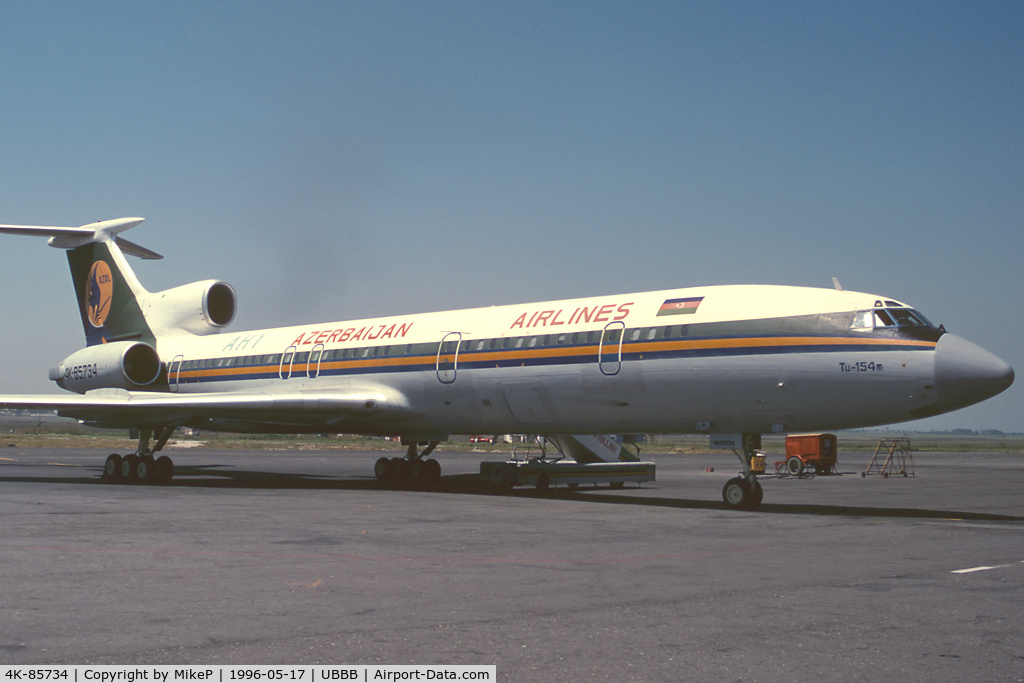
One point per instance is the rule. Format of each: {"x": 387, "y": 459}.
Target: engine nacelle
{"x": 200, "y": 308}
{"x": 118, "y": 365}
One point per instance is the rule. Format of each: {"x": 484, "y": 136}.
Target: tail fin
{"x": 109, "y": 294}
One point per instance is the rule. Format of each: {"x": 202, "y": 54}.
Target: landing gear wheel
{"x": 756, "y": 495}
{"x": 398, "y": 469}
{"x": 380, "y": 468}
{"x": 740, "y": 494}
{"x": 112, "y": 468}
{"x": 734, "y": 493}
{"x": 415, "y": 470}
{"x": 145, "y": 469}
{"x": 617, "y": 484}
{"x": 430, "y": 470}
{"x": 795, "y": 466}
{"x": 163, "y": 470}
{"x": 129, "y": 463}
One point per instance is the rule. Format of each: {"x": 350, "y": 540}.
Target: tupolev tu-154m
{"x": 733, "y": 362}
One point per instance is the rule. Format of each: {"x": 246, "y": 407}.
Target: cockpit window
{"x": 879, "y": 318}
{"x": 882, "y": 319}
{"x": 907, "y": 317}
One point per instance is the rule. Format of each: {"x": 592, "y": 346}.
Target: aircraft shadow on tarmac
{"x": 216, "y": 476}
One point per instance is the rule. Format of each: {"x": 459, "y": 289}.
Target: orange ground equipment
{"x": 810, "y": 450}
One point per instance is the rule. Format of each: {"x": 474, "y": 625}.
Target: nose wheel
{"x": 741, "y": 494}
{"x": 744, "y": 492}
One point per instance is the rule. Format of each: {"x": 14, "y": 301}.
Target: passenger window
{"x": 652, "y": 333}
{"x": 519, "y": 342}
{"x": 635, "y": 335}
{"x": 533, "y": 342}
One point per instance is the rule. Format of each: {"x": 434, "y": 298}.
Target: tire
{"x": 795, "y": 466}
{"x": 145, "y": 469}
{"x": 740, "y": 494}
{"x": 128, "y": 465}
{"x": 735, "y": 493}
{"x": 756, "y": 496}
{"x": 112, "y": 468}
{"x": 430, "y": 471}
{"x": 415, "y": 468}
{"x": 380, "y": 468}
{"x": 398, "y": 469}
{"x": 164, "y": 470}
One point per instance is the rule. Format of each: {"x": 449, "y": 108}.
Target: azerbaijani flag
{"x": 680, "y": 306}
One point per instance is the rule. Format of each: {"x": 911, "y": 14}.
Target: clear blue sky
{"x": 334, "y": 160}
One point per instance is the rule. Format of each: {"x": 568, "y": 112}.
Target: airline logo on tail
{"x": 98, "y": 293}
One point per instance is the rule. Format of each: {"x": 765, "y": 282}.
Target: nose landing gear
{"x": 744, "y": 492}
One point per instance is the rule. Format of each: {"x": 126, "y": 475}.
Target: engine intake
{"x": 200, "y": 308}
{"x": 118, "y": 365}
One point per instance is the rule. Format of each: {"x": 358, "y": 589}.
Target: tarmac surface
{"x": 271, "y": 557}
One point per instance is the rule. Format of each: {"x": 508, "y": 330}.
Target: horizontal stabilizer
{"x": 70, "y": 238}
{"x": 135, "y": 250}
{"x": 46, "y": 231}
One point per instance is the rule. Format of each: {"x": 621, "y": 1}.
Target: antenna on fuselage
{"x": 835, "y": 283}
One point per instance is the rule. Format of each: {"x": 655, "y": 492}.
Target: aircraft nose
{"x": 965, "y": 373}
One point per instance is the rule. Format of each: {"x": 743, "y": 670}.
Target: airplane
{"x": 733, "y": 362}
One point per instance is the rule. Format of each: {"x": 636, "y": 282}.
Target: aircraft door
{"x": 172, "y": 372}
{"x": 609, "y": 353}
{"x": 315, "y": 356}
{"x": 448, "y": 357}
{"x": 285, "y": 369}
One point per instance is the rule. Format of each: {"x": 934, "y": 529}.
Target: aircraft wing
{"x": 119, "y": 408}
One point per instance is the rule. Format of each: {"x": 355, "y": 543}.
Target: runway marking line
{"x": 307, "y": 585}
{"x": 985, "y": 568}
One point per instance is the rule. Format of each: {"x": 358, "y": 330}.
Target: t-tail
{"x": 123, "y": 322}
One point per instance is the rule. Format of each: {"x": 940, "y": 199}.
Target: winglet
{"x": 70, "y": 238}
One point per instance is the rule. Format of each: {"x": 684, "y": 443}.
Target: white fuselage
{"x": 753, "y": 359}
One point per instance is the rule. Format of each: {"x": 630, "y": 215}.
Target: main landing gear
{"x": 744, "y": 492}
{"x": 411, "y": 468}
{"x": 142, "y": 466}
